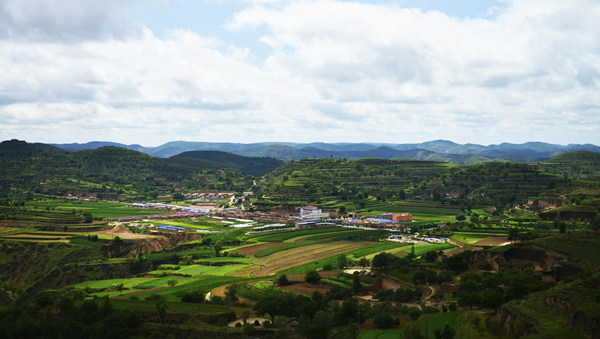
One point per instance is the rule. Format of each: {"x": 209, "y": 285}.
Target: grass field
{"x": 204, "y": 284}
{"x": 99, "y": 284}
{"x": 102, "y": 209}
{"x": 160, "y": 282}
{"x": 468, "y": 239}
{"x": 437, "y": 320}
{"x": 392, "y": 333}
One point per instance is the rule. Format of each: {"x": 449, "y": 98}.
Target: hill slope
{"x": 216, "y": 159}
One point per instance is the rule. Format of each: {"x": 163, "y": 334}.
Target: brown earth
{"x": 305, "y": 288}
{"x": 493, "y": 241}
{"x": 245, "y": 272}
{"x": 462, "y": 249}
{"x": 250, "y": 250}
{"x": 123, "y": 233}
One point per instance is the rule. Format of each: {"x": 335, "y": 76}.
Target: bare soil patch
{"x": 493, "y": 241}
{"x": 123, "y": 233}
{"x": 305, "y": 288}
{"x": 250, "y": 250}
{"x": 462, "y": 249}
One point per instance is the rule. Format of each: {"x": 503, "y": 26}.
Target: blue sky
{"x": 153, "y": 71}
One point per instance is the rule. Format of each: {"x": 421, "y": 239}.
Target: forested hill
{"x": 256, "y": 166}
{"x": 319, "y": 180}
{"x": 112, "y": 170}
{"x": 21, "y": 149}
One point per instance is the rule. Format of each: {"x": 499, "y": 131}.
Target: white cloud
{"x": 66, "y": 20}
{"x": 340, "y": 71}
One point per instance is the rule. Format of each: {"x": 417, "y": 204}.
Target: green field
{"x": 102, "y": 209}
{"x": 393, "y": 333}
{"x": 160, "y": 282}
{"x": 203, "y": 284}
{"x": 374, "y": 248}
{"x": 437, "y": 320}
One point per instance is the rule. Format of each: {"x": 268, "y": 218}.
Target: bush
{"x": 384, "y": 320}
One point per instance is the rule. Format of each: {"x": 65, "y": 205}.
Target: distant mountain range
{"x": 437, "y": 150}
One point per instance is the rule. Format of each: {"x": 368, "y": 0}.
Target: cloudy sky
{"x": 152, "y": 71}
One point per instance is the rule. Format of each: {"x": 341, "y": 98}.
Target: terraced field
{"x": 298, "y": 256}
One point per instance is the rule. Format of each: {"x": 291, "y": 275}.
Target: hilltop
{"x": 256, "y": 166}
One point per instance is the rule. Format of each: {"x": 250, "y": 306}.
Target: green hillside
{"x": 579, "y": 163}
{"x": 111, "y": 171}
{"x": 216, "y": 159}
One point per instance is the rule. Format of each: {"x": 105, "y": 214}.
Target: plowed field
{"x": 302, "y": 255}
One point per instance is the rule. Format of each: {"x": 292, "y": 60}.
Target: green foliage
{"x": 312, "y": 277}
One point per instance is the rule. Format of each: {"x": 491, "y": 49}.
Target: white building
{"x": 312, "y": 212}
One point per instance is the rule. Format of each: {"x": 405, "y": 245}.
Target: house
{"x": 500, "y": 265}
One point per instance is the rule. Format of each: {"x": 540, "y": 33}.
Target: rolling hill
{"x": 256, "y": 166}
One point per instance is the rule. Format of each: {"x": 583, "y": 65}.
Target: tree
{"x": 273, "y": 305}
{"x": 363, "y": 262}
{"x": 178, "y": 196}
{"x": 312, "y": 277}
{"x": 342, "y": 261}
{"x": 461, "y": 217}
{"x": 283, "y": 280}
{"x": 318, "y": 328}
{"x": 453, "y": 307}
{"x": 444, "y": 309}
{"x": 513, "y": 234}
{"x": 412, "y": 331}
{"x": 245, "y": 315}
{"x": 161, "y": 308}
{"x": 382, "y": 260}
{"x": 414, "y": 314}
{"x": 153, "y": 195}
{"x": 342, "y": 209}
{"x": 87, "y": 218}
{"x": 172, "y": 283}
{"x": 230, "y": 293}
{"x": 492, "y": 298}
{"x": 218, "y": 248}
{"x": 356, "y": 283}
{"x": 249, "y": 329}
{"x": 120, "y": 288}
{"x": 447, "y": 332}
{"x": 206, "y": 241}
{"x": 562, "y": 228}
{"x": 383, "y": 320}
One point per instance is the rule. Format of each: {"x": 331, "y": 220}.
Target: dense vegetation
{"x": 218, "y": 159}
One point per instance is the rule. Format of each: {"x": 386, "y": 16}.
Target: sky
{"x": 152, "y": 71}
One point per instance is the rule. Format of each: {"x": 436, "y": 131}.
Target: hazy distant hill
{"x": 439, "y": 150}
{"x": 97, "y": 144}
{"x": 256, "y": 166}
